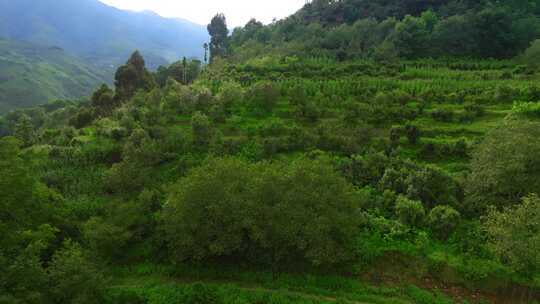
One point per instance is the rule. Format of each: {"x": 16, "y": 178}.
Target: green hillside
{"x": 31, "y": 75}
{"x": 301, "y": 165}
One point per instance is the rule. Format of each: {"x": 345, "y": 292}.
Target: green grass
{"x": 232, "y": 284}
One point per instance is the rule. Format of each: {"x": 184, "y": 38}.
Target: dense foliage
{"x": 266, "y": 213}
{"x": 385, "y": 29}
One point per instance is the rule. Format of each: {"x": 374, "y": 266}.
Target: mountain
{"x": 31, "y": 74}
{"x": 101, "y": 34}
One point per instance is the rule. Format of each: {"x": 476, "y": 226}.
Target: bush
{"x": 443, "y": 115}
{"x": 409, "y": 212}
{"x": 395, "y": 136}
{"x": 474, "y": 109}
{"x": 457, "y": 148}
{"x": 263, "y": 96}
{"x": 513, "y": 235}
{"x": 105, "y": 239}
{"x": 432, "y": 186}
{"x": 230, "y": 94}
{"x": 203, "y": 130}
{"x": 527, "y": 109}
{"x": 264, "y": 213}
{"x": 413, "y": 133}
{"x": 443, "y": 220}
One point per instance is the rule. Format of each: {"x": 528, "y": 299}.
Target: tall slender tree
{"x": 184, "y": 69}
{"x": 218, "y": 36}
{"x": 205, "y": 46}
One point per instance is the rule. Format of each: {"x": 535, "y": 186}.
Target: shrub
{"x": 264, "y": 96}
{"x": 474, "y": 109}
{"x": 395, "y": 136}
{"x": 432, "y": 186}
{"x": 528, "y": 109}
{"x": 409, "y": 212}
{"x": 202, "y": 130}
{"x": 230, "y": 93}
{"x": 505, "y": 94}
{"x": 443, "y": 115}
{"x": 413, "y": 133}
{"x": 459, "y": 148}
{"x": 443, "y": 220}
{"x": 105, "y": 238}
{"x": 513, "y": 235}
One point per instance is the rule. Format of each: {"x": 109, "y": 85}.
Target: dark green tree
{"x": 443, "y": 220}
{"x": 74, "y": 278}
{"x": 131, "y": 77}
{"x": 24, "y": 129}
{"x": 268, "y": 214}
{"x": 103, "y": 101}
{"x": 531, "y": 57}
{"x": 205, "y": 46}
{"x": 218, "y": 37}
{"x": 495, "y": 38}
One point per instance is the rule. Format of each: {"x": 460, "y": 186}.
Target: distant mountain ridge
{"x": 32, "y": 74}
{"x": 102, "y": 35}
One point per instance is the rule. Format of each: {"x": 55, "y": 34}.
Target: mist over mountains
{"x": 98, "y": 33}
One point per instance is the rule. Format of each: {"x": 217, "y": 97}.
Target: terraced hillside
{"x": 354, "y": 161}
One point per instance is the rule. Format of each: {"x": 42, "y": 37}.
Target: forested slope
{"x": 386, "y": 30}
{"x": 32, "y": 74}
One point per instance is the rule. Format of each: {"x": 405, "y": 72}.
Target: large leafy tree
{"x": 411, "y": 36}
{"x": 531, "y": 57}
{"x": 495, "y": 36}
{"x": 455, "y": 35}
{"x": 270, "y": 214}
{"x": 218, "y": 37}
{"x": 505, "y": 166}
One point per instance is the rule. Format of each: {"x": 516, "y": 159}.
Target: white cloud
{"x": 238, "y": 12}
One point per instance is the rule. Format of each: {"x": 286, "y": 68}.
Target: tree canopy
{"x": 264, "y": 213}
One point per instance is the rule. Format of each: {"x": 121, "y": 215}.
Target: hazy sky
{"x": 238, "y": 12}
